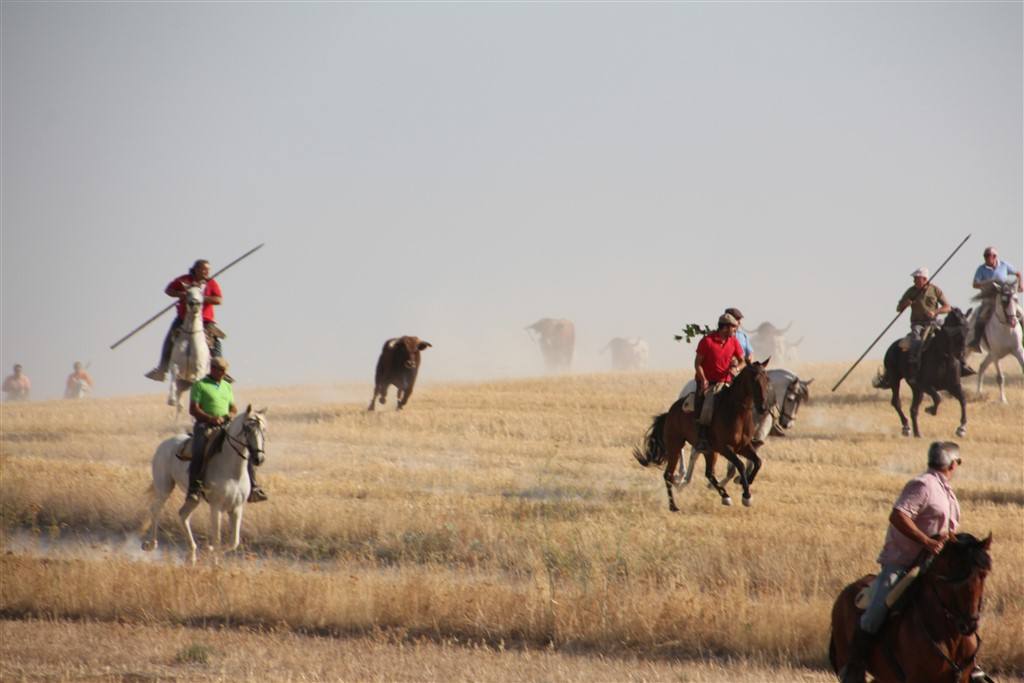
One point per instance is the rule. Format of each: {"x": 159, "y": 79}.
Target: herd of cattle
{"x": 399, "y": 360}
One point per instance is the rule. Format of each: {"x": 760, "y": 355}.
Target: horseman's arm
{"x": 201, "y": 415}
{"x": 699, "y": 377}
{"x": 213, "y": 295}
{"x": 906, "y": 526}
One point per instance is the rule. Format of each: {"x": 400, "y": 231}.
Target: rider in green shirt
{"x": 212, "y": 404}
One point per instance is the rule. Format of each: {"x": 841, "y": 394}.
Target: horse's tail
{"x": 654, "y": 444}
{"x": 889, "y": 376}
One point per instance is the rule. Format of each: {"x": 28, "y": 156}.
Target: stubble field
{"x": 493, "y": 531}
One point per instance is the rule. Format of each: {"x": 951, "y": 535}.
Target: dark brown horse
{"x": 939, "y": 370}
{"x": 934, "y": 635}
{"x": 731, "y": 431}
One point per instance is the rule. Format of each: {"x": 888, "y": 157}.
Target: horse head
{"x": 955, "y": 328}
{"x": 1009, "y": 301}
{"x": 754, "y": 378}
{"x": 796, "y": 393}
{"x": 957, "y": 576}
{"x": 253, "y": 432}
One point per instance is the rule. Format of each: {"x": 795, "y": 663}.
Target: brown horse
{"x": 934, "y": 637}
{"x": 731, "y": 431}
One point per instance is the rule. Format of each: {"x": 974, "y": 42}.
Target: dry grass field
{"x": 492, "y": 531}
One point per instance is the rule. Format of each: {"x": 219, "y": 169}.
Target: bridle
{"x": 791, "y": 399}
{"x": 965, "y": 624}
{"x": 1007, "y": 298}
{"x": 243, "y": 447}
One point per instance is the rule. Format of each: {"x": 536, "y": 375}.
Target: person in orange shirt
{"x": 17, "y": 386}
{"x": 79, "y": 382}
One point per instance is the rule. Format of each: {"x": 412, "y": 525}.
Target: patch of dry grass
{"x": 503, "y": 512}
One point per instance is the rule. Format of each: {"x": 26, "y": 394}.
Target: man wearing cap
{"x": 716, "y": 354}
{"x": 742, "y": 337}
{"x": 212, "y": 404}
{"x": 924, "y": 516}
{"x": 993, "y": 270}
{"x": 926, "y": 302}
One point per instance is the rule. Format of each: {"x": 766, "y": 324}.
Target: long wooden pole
{"x": 169, "y": 307}
{"x": 867, "y": 350}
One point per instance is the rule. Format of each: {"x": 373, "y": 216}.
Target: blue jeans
{"x": 874, "y": 616}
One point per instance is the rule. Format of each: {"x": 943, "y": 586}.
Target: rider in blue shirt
{"x": 741, "y": 336}
{"x": 992, "y": 270}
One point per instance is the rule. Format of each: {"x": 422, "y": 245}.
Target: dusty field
{"x": 491, "y": 531}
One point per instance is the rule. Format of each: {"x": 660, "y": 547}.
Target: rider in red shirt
{"x": 717, "y": 355}
{"x": 199, "y": 274}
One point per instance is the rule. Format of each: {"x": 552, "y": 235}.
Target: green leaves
{"x": 693, "y": 330}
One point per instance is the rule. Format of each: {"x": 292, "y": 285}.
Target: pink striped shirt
{"x": 931, "y": 504}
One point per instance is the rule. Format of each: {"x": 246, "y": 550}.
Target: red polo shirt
{"x": 182, "y": 283}
{"x": 717, "y": 353}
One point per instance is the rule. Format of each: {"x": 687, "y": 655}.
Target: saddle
{"x": 908, "y": 342}
{"x": 213, "y": 446}
{"x": 897, "y": 597}
{"x": 210, "y": 331}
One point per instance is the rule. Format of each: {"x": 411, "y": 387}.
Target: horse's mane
{"x": 970, "y": 547}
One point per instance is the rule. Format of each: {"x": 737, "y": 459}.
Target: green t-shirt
{"x": 929, "y": 301}
{"x": 215, "y": 398}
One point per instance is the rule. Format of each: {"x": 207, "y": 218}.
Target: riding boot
{"x": 195, "y": 483}
{"x": 857, "y": 663}
{"x": 703, "y": 445}
{"x": 979, "y": 333}
{"x": 256, "y": 494}
{"x": 195, "y": 465}
{"x": 913, "y": 366}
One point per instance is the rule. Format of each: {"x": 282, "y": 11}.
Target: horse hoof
{"x": 727, "y": 501}
{"x": 149, "y": 545}
{"x": 961, "y": 430}
{"x": 673, "y": 508}
{"x": 932, "y": 410}
{"x": 906, "y": 431}
{"x": 747, "y": 502}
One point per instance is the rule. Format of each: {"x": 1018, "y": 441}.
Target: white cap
{"x": 920, "y": 272}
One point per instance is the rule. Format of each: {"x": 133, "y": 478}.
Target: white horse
{"x": 226, "y": 484}
{"x": 1003, "y": 333}
{"x": 190, "y": 355}
{"x": 788, "y": 392}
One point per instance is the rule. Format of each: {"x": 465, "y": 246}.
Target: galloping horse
{"x": 787, "y": 392}
{"x": 226, "y": 482}
{"x": 190, "y": 356}
{"x": 1002, "y": 332}
{"x": 935, "y": 636}
{"x": 939, "y": 370}
{"x": 731, "y": 431}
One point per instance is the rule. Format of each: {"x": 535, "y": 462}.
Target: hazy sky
{"x": 456, "y": 171}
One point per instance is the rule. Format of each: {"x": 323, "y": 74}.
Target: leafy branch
{"x": 693, "y": 330}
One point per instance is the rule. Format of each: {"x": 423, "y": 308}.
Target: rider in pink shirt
{"x": 924, "y": 516}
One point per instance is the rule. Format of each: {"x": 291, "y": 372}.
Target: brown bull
{"x": 398, "y": 364}
{"x": 557, "y": 339}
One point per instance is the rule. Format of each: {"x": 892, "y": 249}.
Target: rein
{"x": 958, "y": 667}
{"x": 235, "y": 442}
